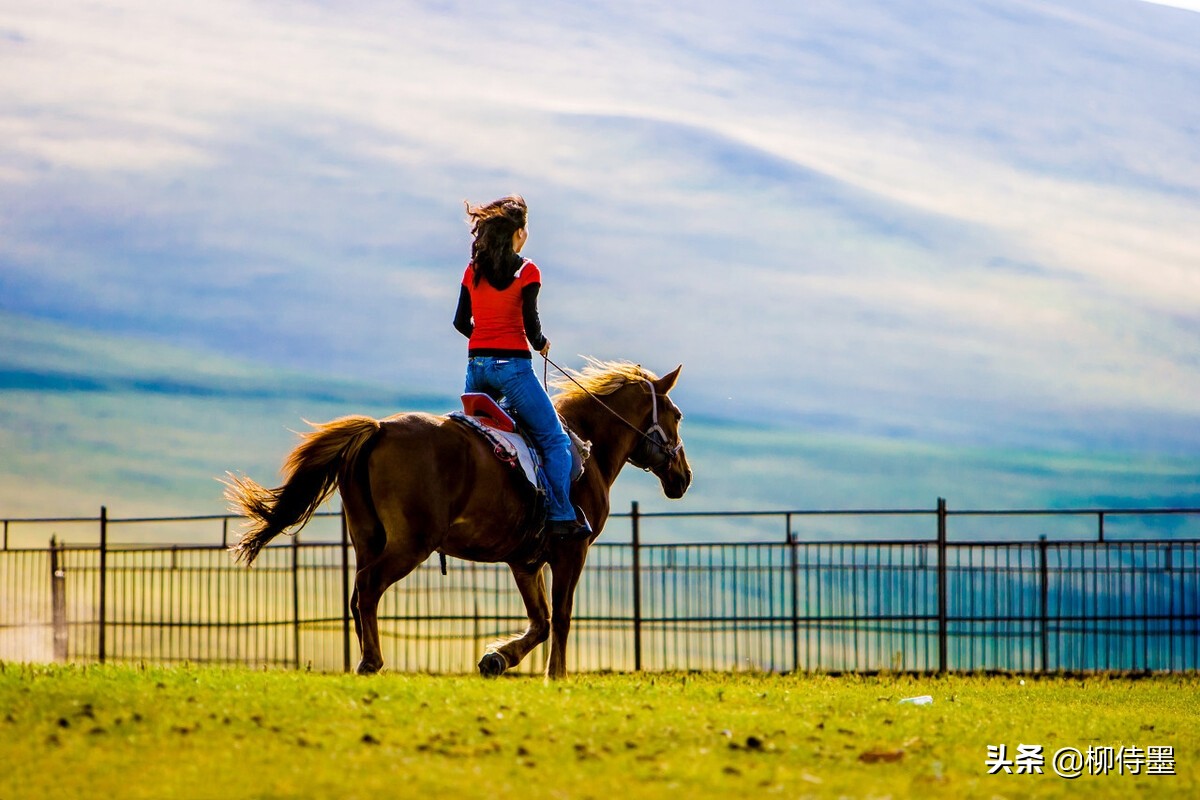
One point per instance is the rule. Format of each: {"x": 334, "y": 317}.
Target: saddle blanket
{"x": 509, "y": 446}
{"x": 492, "y": 421}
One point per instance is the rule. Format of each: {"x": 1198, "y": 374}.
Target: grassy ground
{"x": 189, "y": 732}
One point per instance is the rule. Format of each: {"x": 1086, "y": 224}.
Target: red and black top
{"x": 501, "y": 323}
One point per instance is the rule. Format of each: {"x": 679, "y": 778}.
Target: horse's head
{"x": 622, "y": 403}
{"x": 660, "y": 448}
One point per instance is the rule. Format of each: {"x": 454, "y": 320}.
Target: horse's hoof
{"x": 492, "y": 664}
{"x": 367, "y": 669}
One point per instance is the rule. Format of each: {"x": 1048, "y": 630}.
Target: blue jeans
{"x": 514, "y": 380}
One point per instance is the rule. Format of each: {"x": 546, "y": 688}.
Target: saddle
{"x": 489, "y": 419}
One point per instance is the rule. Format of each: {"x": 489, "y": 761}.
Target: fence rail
{"x": 859, "y": 590}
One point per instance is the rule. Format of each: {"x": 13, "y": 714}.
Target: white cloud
{"x": 1190, "y": 5}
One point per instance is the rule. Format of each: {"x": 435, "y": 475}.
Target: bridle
{"x": 653, "y": 452}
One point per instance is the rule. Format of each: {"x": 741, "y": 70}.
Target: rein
{"x": 656, "y": 429}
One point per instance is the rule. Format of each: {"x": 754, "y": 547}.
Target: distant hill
{"x": 144, "y": 429}
{"x": 87, "y": 420}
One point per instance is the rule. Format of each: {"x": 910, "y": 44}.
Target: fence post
{"x": 791, "y": 541}
{"x": 1045, "y": 593}
{"x": 101, "y": 645}
{"x": 637, "y": 588}
{"x": 296, "y": 598}
{"x": 58, "y": 602}
{"x": 1171, "y": 613}
{"x": 345, "y": 594}
{"x": 941, "y": 587}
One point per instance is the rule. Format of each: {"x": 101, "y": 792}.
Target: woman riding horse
{"x": 498, "y": 313}
{"x": 415, "y": 484}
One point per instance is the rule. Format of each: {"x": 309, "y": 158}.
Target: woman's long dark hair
{"x": 493, "y": 226}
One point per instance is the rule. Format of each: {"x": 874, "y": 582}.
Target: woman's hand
{"x": 545, "y": 351}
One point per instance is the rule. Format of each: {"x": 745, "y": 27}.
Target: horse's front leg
{"x": 506, "y": 655}
{"x": 567, "y": 565}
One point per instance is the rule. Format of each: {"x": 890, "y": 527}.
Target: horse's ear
{"x": 666, "y": 382}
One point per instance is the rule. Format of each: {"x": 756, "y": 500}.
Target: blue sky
{"x": 963, "y": 222}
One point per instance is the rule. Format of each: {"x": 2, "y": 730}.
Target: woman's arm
{"x": 529, "y": 311}
{"x": 462, "y": 315}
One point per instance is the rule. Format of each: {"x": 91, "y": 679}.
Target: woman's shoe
{"x": 570, "y": 528}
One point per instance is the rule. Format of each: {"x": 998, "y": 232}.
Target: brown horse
{"x": 414, "y": 484}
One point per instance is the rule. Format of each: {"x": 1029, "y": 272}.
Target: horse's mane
{"x": 600, "y": 377}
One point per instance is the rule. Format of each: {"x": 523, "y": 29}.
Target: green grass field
{"x": 198, "y": 732}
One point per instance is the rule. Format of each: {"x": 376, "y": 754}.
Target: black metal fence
{"x": 1030, "y": 590}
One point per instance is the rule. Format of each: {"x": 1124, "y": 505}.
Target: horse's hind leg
{"x": 505, "y": 655}
{"x": 357, "y": 616}
{"x": 370, "y": 582}
{"x": 368, "y": 588}
{"x": 369, "y": 585}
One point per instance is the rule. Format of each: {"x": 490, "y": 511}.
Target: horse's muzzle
{"x": 675, "y": 478}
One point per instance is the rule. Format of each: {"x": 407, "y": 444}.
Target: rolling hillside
{"x": 90, "y": 420}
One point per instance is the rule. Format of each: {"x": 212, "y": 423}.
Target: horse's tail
{"x": 310, "y": 476}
